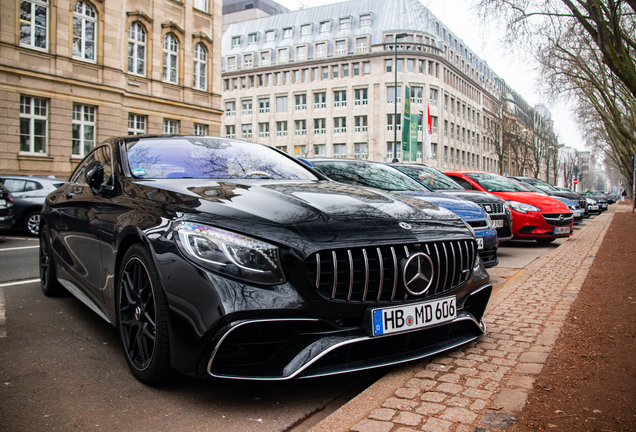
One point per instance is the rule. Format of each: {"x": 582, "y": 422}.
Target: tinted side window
{"x": 31, "y": 185}
{"x": 15, "y": 185}
{"x": 462, "y": 182}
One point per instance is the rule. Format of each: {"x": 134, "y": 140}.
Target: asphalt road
{"x": 62, "y": 369}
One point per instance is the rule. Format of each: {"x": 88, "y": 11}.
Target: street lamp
{"x": 395, "y": 159}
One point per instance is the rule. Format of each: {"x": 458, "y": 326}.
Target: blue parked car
{"x": 382, "y": 176}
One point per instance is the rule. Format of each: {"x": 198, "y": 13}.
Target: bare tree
{"x": 492, "y": 126}
{"x": 568, "y": 161}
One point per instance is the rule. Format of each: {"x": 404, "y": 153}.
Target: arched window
{"x": 200, "y": 67}
{"x": 170, "y": 58}
{"x": 136, "y": 49}
{"x": 84, "y": 31}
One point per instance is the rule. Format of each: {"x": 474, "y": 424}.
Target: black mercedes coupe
{"x": 219, "y": 258}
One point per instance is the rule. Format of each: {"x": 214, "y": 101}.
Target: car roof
{"x": 30, "y": 177}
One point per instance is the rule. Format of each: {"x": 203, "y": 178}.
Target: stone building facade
{"x": 73, "y": 73}
{"x": 320, "y": 82}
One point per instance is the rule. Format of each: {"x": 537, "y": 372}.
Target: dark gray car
{"x": 29, "y": 193}
{"x": 6, "y": 208}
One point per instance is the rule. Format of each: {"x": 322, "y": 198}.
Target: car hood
{"x": 563, "y": 194}
{"x": 462, "y": 208}
{"x": 474, "y": 196}
{"x": 318, "y": 211}
{"x": 546, "y": 203}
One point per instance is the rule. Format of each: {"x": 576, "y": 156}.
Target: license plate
{"x": 412, "y": 317}
{"x": 2, "y": 202}
{"x": 562, "y": 230}
{"x": 577, "y": 214}
{"x": 497, "y": 223}
{"x": 480, "y": 243}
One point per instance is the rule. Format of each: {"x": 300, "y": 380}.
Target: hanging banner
{"x": 415, "y": 126}
{"x": 406, "y": 123}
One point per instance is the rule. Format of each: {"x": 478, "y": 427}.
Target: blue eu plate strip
{"x": 378, "y": 328}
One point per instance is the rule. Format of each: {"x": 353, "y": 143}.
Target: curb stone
{"x": 480, "y": 386}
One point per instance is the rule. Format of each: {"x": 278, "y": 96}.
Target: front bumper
{"x": 532, "y": 225}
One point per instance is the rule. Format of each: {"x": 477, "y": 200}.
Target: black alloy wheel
{"x": 51, "y": 287}
{"x": 142, "y": 317}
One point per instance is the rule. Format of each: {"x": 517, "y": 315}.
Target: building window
{"x": 230, "y": 108}
{"x": 305, "y": 29}
{"x": 231, "y": 65}
{"x": 433, "y": 124}
{"x": 345, "y": 70}
{"x": 388, "y": 65}
{"x": 360, "y": 124}
{"x": 365, "y": 20}
{"x": 345, "y": 23}
{"x": 389, "y": 122}
{"x": 340, "y": 98}
{"x": 200, "y": 129}
{"x": 263, "y": 130}
{"x": 416, "y": 94}
{"x": 320, "y": 126}
{"x": 136, "y": 49}
{"x": 83, "y": 129}
{"x": 252, "y": 38}
{"x": 361, "y": 44}
{"x": 287, "y": 32}
{"x": 339, "y": 125}
{"x": 200, "y": 67}
{"x": 334, "y": 71}
{"x": 320, "y": 150}
{"x": 264, "y": 58}
{"x": 361, "y": 150}
{"x": 34, "y": 20}
{"x": 367, "y": 67}
{"x": 339, "y": 150}
{"x": 201, "y": 5}
{"x": 281, "y": 103}
{"x": 411, "y": 65}
{"x": 361, "y": 97}
{"x": 390, "y": 94}
{"x": 236, "y": 41}
{"x": 325, "y": 73}
{"x": 433, "y": 97}
{"x": 230, "y": 131}
{"x": 84, "y": 31}
{"x": 296, "y": 76}
{"x": 320, "y": 100}
{"x": 300, "y": 127}
{"x": 445, "y": 127}
{"x": 321, "y": 50}
{"x": 282, "y": 55}
{"x": 356, "y": 69}
{"x": 445, "y": 154}
{"x": 341, "y": 47}
{"x": 170, "y": 58}
{"x": 33, "y": 124}
{"x": 246, "y": 106}
{"x": 300, "y": 150}
{"x": 170, "y": 127}
{"x": 246, "y": 131}
{"x": 325, "y": 26}
{"x": 270, "y": 35}
{"x": 247, "y": 61}
{"x": 301, "y": 102}
{"x": 263, "y": 105}
{"x": 281, "y": 129}
{"x": 136, "y": 124}
{"x": 301, "y": 53}
{"x": 305, "y": 75}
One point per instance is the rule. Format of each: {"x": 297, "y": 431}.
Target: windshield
{"x": 496, "y": 183}
{"x": 210, "y": 158}
{"x": 544, "y": 186}
{"x": 533, "y": 187}
{"x": 375, "y": 175}
{"x": 430, "y": 177}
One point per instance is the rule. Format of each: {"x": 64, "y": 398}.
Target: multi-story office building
{"x": 73, "y": 73}
{"x": 321, "y": 82}
{"x": 246, "y": 10}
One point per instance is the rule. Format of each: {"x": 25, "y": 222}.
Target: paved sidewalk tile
{"x": 481, "y": 385}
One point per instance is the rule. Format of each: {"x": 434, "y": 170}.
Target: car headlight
{"x": 488, "y": 221}
{"x": 522, "y": 207}
{"x": 230, "y": 253}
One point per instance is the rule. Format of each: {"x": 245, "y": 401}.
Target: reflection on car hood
{"x": 546, "y": 203}
{"x": 320, "y": 210}
{"x": 462, "y": 208}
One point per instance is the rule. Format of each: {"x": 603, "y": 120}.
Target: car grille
{"x": 373, "y": 274}
{"x": 478, "y": 224}
{"x": 493, "y": 208}
{"x": 504, "y": 231}
{"x": 556, "y": 220}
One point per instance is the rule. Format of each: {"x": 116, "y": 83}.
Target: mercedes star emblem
{"x": 405, "y": 225}
{"x": 418, "y": 273}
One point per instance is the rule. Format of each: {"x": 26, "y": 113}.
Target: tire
{"x": 142, "y": 317}
{"x": 51, "y": 287}
{"x": 32, "y": 224}
{"x": 545, "y": 240}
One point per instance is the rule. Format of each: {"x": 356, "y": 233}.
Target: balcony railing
{"x": 362, "y": 102}
{"x": 340, "y": 130}
{"x": 263, "y": 134}
{"x": 319, "y": 105}
{"x": 340, "y": 104}
{"x": 230, "y": 113}
{"x": 247, "y": 111}
{"x": 301, "y": 107}
{"x": 247, "y": 135}
{"x": 320, "y": 131}
{"x": 300, "y": 132}
{"x": 263, "y": 110}
{"x": 281, "y": 133}
{"x": 360, "y": 129}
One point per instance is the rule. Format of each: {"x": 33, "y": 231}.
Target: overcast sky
{"x": 518, "y": 73}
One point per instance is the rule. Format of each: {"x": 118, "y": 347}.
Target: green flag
{"x": 415, "y": 122}
{"x": 406, "y": 123}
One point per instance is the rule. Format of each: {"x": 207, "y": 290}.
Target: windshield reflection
{"x": 430, "y": 177}
{"x": 375, "y": 175}
{"x": 495, "y": 183}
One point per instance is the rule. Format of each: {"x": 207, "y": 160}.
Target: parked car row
{"x": 219, "y": 258}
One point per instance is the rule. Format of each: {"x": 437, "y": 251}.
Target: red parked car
{"x": 534, "y": 216}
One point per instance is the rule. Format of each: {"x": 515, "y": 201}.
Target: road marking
{"x": 18, "y": 248}
{"x": 24, "y": 282}
{"x": 3, "y": 320}
{"x": 510, "y": 279}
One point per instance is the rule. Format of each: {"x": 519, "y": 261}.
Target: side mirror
{"x": 95, "y": 176}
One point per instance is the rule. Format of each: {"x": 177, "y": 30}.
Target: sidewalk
{"x": 482, "y": 385}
